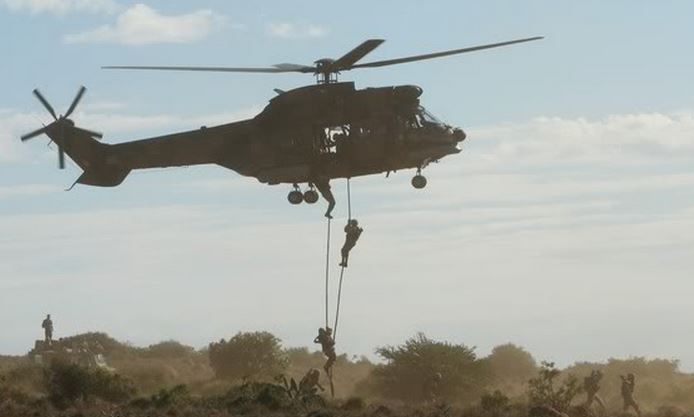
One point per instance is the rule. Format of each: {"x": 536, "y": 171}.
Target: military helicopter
{"x": 308, "y": 135}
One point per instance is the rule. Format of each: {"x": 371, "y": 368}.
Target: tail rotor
{"x": 62, "y": 122}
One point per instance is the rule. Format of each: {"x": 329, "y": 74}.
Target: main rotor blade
{"x": 351, "y": 57}
{"x": 441, "y": 54}
{"x": 43, "y": 101}
{"x": 277, "y": 69}
{"x": 77, "y": 99}
{"x": 33, "y": 134}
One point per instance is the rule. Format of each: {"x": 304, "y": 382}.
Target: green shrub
{"x": 248, "y": 356}
{"x": 174, "y": 397}
{"x": 495, "y": 404}
{"x": 424, "y": 370}
{"x": 354, "y": 404}
{"x": 248, "y": 395}
{"x": 67, "y": 383}
{"x": 546, "y": 391}
{"x": 169, "y": 349}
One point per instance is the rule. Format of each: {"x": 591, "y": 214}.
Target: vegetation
{"x": 421, "y": 377}
{"x": 248, "y": 356}
{"x": 548, "y": 390}
{"x": 68, "y": 383}
{"x": 423, "y": 370}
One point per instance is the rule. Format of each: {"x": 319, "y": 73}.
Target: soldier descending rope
{"x": 327, "y": 343}
{"x": 352, "y": 233}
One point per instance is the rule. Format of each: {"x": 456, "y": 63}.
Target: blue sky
{"x": 563, "y": 226}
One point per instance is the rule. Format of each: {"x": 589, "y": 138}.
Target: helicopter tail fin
{"x": 97, "y": 160}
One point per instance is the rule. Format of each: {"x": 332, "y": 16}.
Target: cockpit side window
{"x": 428, "y": 118}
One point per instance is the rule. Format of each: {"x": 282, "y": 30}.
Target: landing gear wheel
{"x": 310, "y": 196}
{"x": 419, "y": 181}
{"x": 295, "y": 197}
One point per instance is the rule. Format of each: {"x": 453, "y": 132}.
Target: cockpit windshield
{"x": 428, "y": 118}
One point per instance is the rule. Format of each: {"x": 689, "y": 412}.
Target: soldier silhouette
{"x": 310, "y": 382}
{"x": 591, "y": 385}
{"x": 325, "y": 338}
{"x": 352, "y": 233}
{"x": 323, "y": 186}
{"x": 47, "y": 325}
{"x": 628, "y": 385}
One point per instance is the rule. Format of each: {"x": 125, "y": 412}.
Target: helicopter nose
{"x": 459, "y": 135}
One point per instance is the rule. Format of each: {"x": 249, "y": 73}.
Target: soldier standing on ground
{"x": 591, "y": 384}
{"x": 352, "y": 233}
{"x": 48, "y": 329}
{"x": 628, "y": 385}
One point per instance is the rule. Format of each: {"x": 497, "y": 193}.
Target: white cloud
{"x": 294, "y": 30}
{"x": 13, "y": 124}
{"x": 629, "y": 139}
{"x": 142, "y": 25}
{"x": 28, "y": 190}
{"x": 61, "y": 7}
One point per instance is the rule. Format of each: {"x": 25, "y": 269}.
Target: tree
{"x": 426, "y": 370}
{"x": 545, "y": 391}
{"x": 249, "y": 356}
{"x": 511, "y": 364}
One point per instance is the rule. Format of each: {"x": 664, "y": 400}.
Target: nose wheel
{"x": 419, "y": 181}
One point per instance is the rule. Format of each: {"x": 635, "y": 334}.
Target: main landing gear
{"x": 419, "y": 181}
{"x": 295, "y": 196}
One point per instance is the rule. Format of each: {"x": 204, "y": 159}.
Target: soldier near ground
{"x": 309, "y": 383}
{"x": 591, "y": 385}
{"x": 325, "y": 338}
{"x": 352, "y": 233}
{"x": 47, "y": 325}
{"x": 628, "y": 385}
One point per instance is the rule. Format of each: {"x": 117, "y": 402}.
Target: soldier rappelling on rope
{"x": 325, "y": 338}
{"x": 352, "y": 233}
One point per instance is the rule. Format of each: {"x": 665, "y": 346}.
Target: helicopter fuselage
{"x": 323, "y": 131}
{"x": 335, "y": 131}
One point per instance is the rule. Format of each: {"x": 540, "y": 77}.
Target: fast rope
{"x": 327, "y": 274}
{"x": 342, "y": 270}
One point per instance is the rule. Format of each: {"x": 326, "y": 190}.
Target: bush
{"x": 10, "y": 393}
{"x": 425, "y": 370}
{"x": 67, "y": 383}
{"x": 174, "y": 397}
{"x": 546, "y": 391}
{"x": 354, "y": 404}
{"x": 248, "y": 395}
{"x": 168, "y": 350}
{"x": 248, "y": 356}
{"x": 494, "y": 405}
{"x": 511, "y": 363}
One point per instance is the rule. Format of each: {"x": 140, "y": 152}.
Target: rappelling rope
{"x": 327, "y": 274}
{"x": 342, "y": 270}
